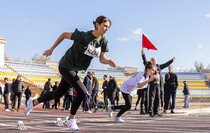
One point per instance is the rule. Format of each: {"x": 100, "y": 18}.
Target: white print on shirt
{"x": 92, "y": 51}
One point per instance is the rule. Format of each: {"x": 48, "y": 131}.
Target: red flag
{"x": 147, "y": 44}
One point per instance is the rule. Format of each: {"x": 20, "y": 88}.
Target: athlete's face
{"x": 150, "y": 72}
{"x": 105, "y": 78}
{"x": 103, "y": 27}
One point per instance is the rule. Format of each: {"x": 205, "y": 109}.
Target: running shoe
{"x": 157, "y": 115}
{"x": 88, "y": 112}
{"x": 110, "y": 110}
{"x": 29, "y": 107}
{"x": 5, "y": 110}
{"x": 118, "y": 119}
{"x": 72, "y": 125}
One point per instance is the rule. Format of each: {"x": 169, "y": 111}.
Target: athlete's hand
{"x": 153, "y": 77}
{"x": 173, "y": 58}
{"x": 112, "y": 63}
{"x": 47, "y": 52}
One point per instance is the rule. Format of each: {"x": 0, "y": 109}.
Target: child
{"x": 139, "y": 80}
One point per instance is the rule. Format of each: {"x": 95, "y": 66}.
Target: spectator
{"x": 104, "y": 87}
{"x": 141, "y": 96}
{"x": 48, "y": 88}
{"x": 6, "y": 95}
{"x": 68, "y": 98}
{"x": 170, "y": 86}
{"x": 117, "y": 97}
{"x": 18, "y": 88}
{"x": 27, "y": 94}
{"x": 0, "y": 93}
{"x": 12, "y": 94}
{"x": 56, "y": 101}
{"x": 111, "y": 90}
{"x": 186, "y": 92}
{"x": 88, "y": 85}
{"x": 95, "y": 87}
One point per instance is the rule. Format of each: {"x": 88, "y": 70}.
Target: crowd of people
{"x": 13, "y": 93}
{"x": 86, "y": 46}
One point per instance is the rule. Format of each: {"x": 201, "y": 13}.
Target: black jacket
{"x": 28, "y": 93}
{"x": 0, "y": 90}
{"x": 17, "y": 86}
{"x": 105, "y": 84}
{"x": 186, "y": 90}
{"x": 171, "y": 79}
{"x": 112, "y": 85}
{"x": 6, "y": 90}
{"x": 159, "y": 68}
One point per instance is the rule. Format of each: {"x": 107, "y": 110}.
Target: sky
{"x": 177, "y": 28}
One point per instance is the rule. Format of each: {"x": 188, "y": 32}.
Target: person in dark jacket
{"x": 186, "y": 92}
{"x": 0, "y": 93}
{"x": 104, "y": 87}
{"x": 68, "y": 98}
{"x": 18, "y": 88}
{"x": 27, "y": 94}
{"x": 111, "y": 90}
{"x": 117, "y": 97}
{"x": 95, "y": 87}
{"x": 56, "y": 101}
{"x": 48, "y": 88}
{"x": 88, "y": 85}
{"x": 170, "y": 86}
{"x": 6, "y": 94}
{"x": 154, "y": 93}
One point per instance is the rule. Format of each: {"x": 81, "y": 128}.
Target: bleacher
{"x": 38, "y": 74}
{"x": 5, "y": 72}
{"x": 35, "y": 73}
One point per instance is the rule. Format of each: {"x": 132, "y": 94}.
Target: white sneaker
{"x": 118, "y": 119}
{"x": 6, "y": 110}
{"x": 88, "y": 112}
{"x": 72, "y": 125}
{"x": 29, "y": 107}
{"x": 110, "y": 110}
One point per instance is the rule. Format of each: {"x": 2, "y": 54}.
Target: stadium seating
{"x": 37, "y": 74}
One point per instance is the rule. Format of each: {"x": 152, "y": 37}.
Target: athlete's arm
{"x": 130, "y": 74}
{"x": 65, "y": 35}
{"x": 104, "y": 60}
{"x": 140, "y": 85}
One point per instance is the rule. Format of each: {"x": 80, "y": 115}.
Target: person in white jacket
{"x": 139, "y": 80}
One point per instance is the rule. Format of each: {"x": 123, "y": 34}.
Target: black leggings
{"x": 127, "y": 106}
{"x": 69, "y": 79}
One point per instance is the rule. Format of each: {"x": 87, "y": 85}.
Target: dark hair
{"x": 105, "y": 76}
{"x": 6, "y": 79}
{"x": 100, "y": 20}
{"x": 56, "y": 82}
{"x": 149, "y": 65}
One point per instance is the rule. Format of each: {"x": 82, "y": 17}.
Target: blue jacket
{"x": 87, "y": 83}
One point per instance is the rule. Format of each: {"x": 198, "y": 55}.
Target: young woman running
{"x": 78, "y": 57}
{"x": 139, "y": 80}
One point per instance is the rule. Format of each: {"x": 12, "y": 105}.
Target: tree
{"x": 198, "y": 66}
{"x": 40, "y": 59}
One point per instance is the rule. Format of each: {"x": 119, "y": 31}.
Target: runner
{"x": 139, "y": 80}
{"x": 86, "y": 46}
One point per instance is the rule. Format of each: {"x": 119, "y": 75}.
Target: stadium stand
{"x": 35, "y": 76}
{"x": 35, "y": 73}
